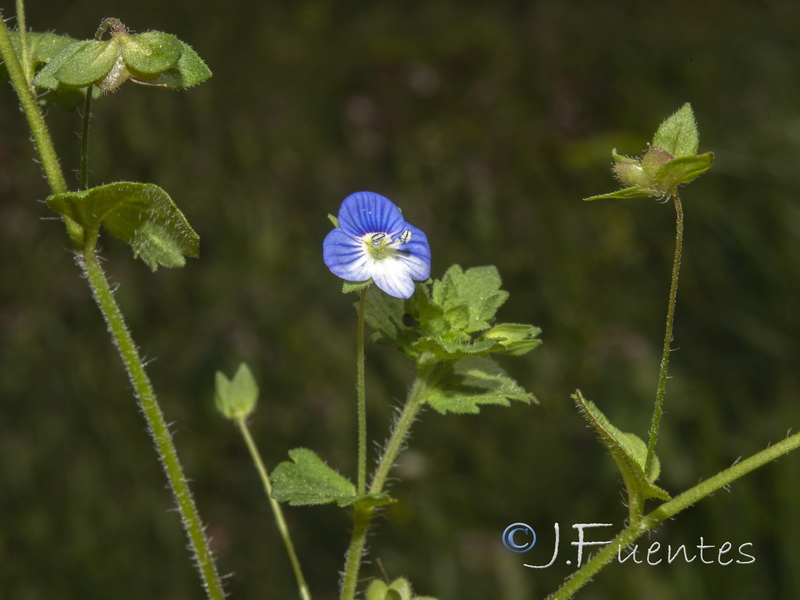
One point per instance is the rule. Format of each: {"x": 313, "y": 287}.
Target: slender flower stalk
{"x": 23, "y": 41}
{"x": 276, "y": 509}
{"x": 362, "y": 398}
{"x": 665, "y": 352}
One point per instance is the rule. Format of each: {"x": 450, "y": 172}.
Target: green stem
{"x": 155, "y": 419}
{"x": 87, "y": 115}
{"x": 113, "y": 316}
{"x": 363, "y": 516}
{"x": 276, "y": 509}
{"x": 362, "y": 399}
{"x": 662, "y": 375}
{"x": 23, "y": 43}
{"x": 669, "y": 510}
{"x": 41, "y": 136}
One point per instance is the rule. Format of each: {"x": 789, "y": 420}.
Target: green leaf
{"x": 631, "y": 192}
{"x": 187, "y": 72}
{"x": 140, "y": 214}
{"x": 678, "y": 133}
{"x": 150, "y": 52}
{"x": 469, "y": 298}
{"x": 627, "y": 450}
{"x": 683, "y": 170}
{"x": 384, "y": 315}
{"x": 236, "y": 399}
{"x": 86, "y": 63}
{"x": 472, "y": 382}
{"x": 309, "y": 480}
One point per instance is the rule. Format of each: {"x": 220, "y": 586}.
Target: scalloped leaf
{"x": 140, "y": 214}
{"x": 678, "y": 133}
{"x": 627, "y": 450}
{"x": 469, "y": 298}
{"x": 308, "y": 480}
{"x": 473, "y": 382}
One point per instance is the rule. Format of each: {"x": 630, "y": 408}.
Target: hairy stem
{"x": 363, "y": 516}
{"x": 155, "y": 419}
{"x": 27, "y": 99}
{"x": 670, "y": 509}
{"x": 362, "y": 399}
{"x": 23, "y": 42}
{"x": 276, "y": 509}
{"x": 662, "y": 375}
{"x": 87, "y": 115}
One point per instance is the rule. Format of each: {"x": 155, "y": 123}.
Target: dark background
{"x": 487, "y": 122}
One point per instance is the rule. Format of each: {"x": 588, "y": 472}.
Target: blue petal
{"x": 416, "y": 254}
{"x": 368, "y": 212}
{"x": 393, "y": 277}
{"x": 345, "y": 256}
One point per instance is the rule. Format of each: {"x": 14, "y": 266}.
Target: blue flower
{"x": 373, "y": 241}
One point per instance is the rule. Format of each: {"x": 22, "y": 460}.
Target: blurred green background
{"x": 487, "y": 122}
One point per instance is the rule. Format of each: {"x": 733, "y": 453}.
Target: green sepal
{"x": 42, "y": 47}
{"x": 630, "y": 192}
{"x": 79, "y": 65}
{"x": 627, "y": 450}
{"x": 156, "y": 58}
{"x": 150, "y": 52}
{"x": 333, "y": 219}
{"x": 308, "y": 480}
{"x": 683, "y": 170}
{"x": 473, "y": 382}
{"x": 515, "y": 338}
{"x": 46, "y": 78}
{"x": 236, "y": 398}
{"x": 140, "y": 214}
{"x": 399, "y": 589}
{"x": 348, "y": 287}
{"x": 678, "y": 133}
{"x": 189, "y": 71}
{"x": 622, "y": 157}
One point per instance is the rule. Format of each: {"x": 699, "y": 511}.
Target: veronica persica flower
{"x": 373, "y": 241}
